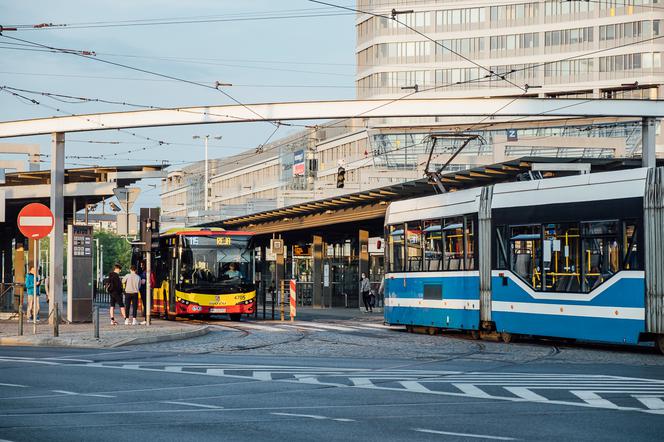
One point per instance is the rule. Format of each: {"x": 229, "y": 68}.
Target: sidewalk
{"x": 82, "y": 335}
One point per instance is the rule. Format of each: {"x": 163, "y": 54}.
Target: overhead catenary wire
{"x": 146, "y": 71}
{"x": 258, "y": 16}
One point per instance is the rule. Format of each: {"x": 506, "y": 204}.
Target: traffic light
{"x": 149, "y": 228}
{"x": 341, "y": 177}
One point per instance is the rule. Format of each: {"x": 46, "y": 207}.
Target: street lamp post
{"x": 207, "y": 173}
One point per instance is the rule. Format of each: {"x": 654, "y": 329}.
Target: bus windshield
{"x": 208, "y": 260}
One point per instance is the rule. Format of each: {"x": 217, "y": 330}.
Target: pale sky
{"x": 265, "y": 60}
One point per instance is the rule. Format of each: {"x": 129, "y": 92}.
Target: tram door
{"x": 344, "y": 277}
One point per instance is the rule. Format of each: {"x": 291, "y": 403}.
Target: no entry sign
{"x": 35, "y": 221}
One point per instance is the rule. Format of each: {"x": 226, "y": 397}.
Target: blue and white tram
{"x": 559, "y": 257}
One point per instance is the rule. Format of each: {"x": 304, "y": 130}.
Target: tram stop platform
{"x": 110, "y": 336}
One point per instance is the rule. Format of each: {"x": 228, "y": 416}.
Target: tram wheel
{"x": 507, "y": 337}
{"x": 659, "y": 343}
{"x": 235, "y": 317}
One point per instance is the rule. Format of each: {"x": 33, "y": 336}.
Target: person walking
{"x": 365, "y": 288}
{"x": 32, "y": 289}
{"x": 132, "y": 283}
{"x": 113, "y": 286}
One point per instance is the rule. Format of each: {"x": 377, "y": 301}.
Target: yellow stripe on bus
{"x": 215, "y": 300}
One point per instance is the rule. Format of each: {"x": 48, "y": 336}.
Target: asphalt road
{"x": 134, "y": 394}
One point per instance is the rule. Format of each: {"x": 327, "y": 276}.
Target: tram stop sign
{"x": 35, "y": 221}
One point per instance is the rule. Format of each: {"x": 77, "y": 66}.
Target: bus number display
{"x": 223, "y": 241}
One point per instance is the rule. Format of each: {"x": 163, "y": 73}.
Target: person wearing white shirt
{"x": 132, "y": 283}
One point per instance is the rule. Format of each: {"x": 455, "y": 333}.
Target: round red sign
{"x": 35, "y": 221}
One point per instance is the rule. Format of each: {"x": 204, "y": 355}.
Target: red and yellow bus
{"x": 202, "y": 272}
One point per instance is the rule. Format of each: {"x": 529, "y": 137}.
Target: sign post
{"x": 35, "y": 221}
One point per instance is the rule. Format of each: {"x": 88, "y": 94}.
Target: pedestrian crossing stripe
{"x": 317, "y": 326}
{"x": 593, "y": 391}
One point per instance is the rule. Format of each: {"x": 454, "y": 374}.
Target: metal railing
{"x": 100, "y": 296}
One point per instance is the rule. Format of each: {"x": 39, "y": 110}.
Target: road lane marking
{"x": 652, "y": 402}
{"x": 593, "y": 399}
{"x": 315, "y": 416}
{"x": 594, "y": 390}
{"x": 449, "y": 433}
{"x": 471, "y": 390}
{"x": 415, "y": 386}
{"x": 13, "y": 385}
{"x": 527, "y": 394}
{"x": 192, "y": 404}
{"x": 73, "y": 393}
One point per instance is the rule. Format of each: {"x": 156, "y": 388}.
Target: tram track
{"x": 246, "y": 333}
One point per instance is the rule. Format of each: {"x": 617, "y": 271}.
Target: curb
{"x": 72, "y": 342}
{"x": 200, "y": 331}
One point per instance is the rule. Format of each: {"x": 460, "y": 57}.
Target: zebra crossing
{"x": 592, "y": 391}
{"x": 580, "y": 390}
{"x": 311, "y": 326}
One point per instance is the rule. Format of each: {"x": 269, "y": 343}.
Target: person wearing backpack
{"x": 114, "y": 288}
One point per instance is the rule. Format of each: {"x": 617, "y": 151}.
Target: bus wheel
{"x": 506, "y": 337}
{"x": 235, "y": 316}
{"x": 475, "y": 335}
{"x": 659, "y": 343}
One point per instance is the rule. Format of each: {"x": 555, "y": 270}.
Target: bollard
{"x": 56, "y": 320}
{"x": 95, "y": 320}
{"x": 20, "y": 314}
{"x": 293, "y": 299}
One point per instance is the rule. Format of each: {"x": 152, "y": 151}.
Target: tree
{"x": 116, "y": 250}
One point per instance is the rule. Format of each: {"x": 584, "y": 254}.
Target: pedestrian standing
{"x": 142, "y": 291}
{"x": 132, "y": 283}
{"x": 365, "y": 288}
{"x": 32, "y": 289}
{"x": 113, "y": 286}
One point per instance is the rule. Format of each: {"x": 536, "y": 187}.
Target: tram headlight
{"x": 182, "y": 301}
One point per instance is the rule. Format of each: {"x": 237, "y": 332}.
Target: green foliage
{"x": 115, "y": 249}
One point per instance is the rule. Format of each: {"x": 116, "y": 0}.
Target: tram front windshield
{"x": 208, "y": 260}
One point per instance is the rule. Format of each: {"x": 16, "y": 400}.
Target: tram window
{"x": 453, "y": 242}
{"x": 561, "y": 258}
{"x": 414, "y": 246}
{"x": 432, "y": 242}
{"x": 601, "y": 252}
{"x": 502, "y": 247}
{"x": 630, "y": 247}
{"x": 395, "y": 249}
{"x": 525, "y": 252}
{"x": 470, "y": 243}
